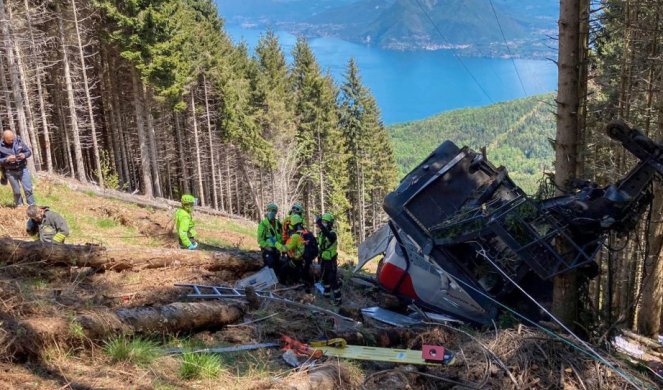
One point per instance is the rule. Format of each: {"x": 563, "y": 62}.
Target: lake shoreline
{"x": 412, "y": 85}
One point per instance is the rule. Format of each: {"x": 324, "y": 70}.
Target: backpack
{"x": 310, "y": 245}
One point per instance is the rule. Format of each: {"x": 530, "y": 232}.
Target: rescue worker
{"x": 328, "y": 255}
{"x": 13, "y": 159}
{"x": 184, "y": 223}
{"x": 297, "y": 209}
{"x": 269, "y": 233}
{"x": 46, "y": 225}
{"x": 293, "y": 268}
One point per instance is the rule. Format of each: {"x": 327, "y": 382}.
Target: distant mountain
{"x": 469, "y": 26}
{"x": 274, "y": 12}
{"x": 515, "y": 133}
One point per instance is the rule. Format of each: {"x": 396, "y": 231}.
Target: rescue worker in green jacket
{"x": 294, "y": 246}
{"x": 46, "y": 225}
{"x": 328, "y": 255}
{"x": 297, "y": 209}
{"x": 184, "y": 224}
{"x": 269, "y": 234}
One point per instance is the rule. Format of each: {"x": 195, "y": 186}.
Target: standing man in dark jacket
{"x": 48, "y": 225}
{"x": 13, "y": 158}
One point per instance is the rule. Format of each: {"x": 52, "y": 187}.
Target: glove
{"x": 59, "y": 238}
{"x": 193, "y": 246}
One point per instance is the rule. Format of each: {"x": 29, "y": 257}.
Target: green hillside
{"x": 515, "y": 133}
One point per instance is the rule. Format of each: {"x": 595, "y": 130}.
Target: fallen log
{"x": 27, "y": 338}
{"x": 15, "y": 251}
{"x": 140, "y": 200}
{"x": 651, "y": 343}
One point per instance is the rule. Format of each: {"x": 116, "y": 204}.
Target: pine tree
{"x": 319, "y": 141}
{"x": 272, "y": 102}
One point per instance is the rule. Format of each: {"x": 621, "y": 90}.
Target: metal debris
{"x": 236, "y": 348}
{"x": 261, "y": 280}
{"x": 220, "y": 292}
{"x": 290, "y": 357}
{"x": 389, "y": 317}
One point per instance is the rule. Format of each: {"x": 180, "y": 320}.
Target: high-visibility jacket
{"x": 294, "y": 246}
{"x": 328, "y": 242}
{"x": 185, "y": 226}
{"x": 268, "y": 229}
{"x": 53, "y": 228}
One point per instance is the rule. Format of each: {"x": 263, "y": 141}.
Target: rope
{"x": 430, "y": 19}
{"x": 507, "y": 47}
{"x": 587, "y": 350}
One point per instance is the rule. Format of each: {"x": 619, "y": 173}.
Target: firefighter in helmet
{"x": 184, "y": 224}
{"x": 294, "y": 246}
{"x": 328, "y": 255}
{"x": 269, "y": 234}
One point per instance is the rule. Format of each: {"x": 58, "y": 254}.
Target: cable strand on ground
{"x": 585, "y": 349}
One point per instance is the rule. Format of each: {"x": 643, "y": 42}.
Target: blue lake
{"x": 414, "y": 85}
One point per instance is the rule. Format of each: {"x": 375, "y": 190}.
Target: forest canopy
{"x": 153, "y": 96}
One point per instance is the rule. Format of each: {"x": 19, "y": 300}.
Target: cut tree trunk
{"x": 27, "y": 338}
{"x": 118, "y": 259}
{"x": 143, "y": 201}
{"x": 172, "y": 318}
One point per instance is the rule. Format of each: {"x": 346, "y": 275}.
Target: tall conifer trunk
{"x": 143, "y": 142}
{"x": 88, "y": 97}
{"x": 215, "y": 196}
{"x": 565, "y": 293}
{"x": 184, "y": 174}
{"x": 199, "y": 169}
{"x": 15, "y": 80}
{"x": 8, "y": 99}
{"x": 154, "y": 161}
{"x": 75, "y": 130}
{"x": 40, "y": 94}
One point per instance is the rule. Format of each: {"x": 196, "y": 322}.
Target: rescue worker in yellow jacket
{"x": 46, "y": 225}
{"x": 184, "y": 224}
{"x": 328, "y": 255}
{"x": 294, "y": 246}
{"x": 269, "y": 234}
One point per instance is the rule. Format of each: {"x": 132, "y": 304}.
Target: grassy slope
{"x": 93, "y": 219}
{"x": 515, "y": 133}
{"x": 32, "y": 292}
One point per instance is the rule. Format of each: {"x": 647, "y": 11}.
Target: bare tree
{"x": 73, "y": 116}
{"x": 15, "y": 79}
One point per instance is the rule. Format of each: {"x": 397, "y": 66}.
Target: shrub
{"x": 138, "y": 351}
{"x": 198, "y": 365}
